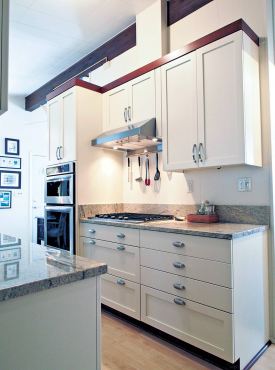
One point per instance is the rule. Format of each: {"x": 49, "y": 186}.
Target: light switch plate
{"x": 190, "y": 186}
{"x": 245, "y": 184}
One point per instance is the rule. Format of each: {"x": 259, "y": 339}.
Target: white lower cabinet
{"x": 214, "y": 272}
{"x": 204, "y": 327}
{"x": 122, "y": 260}
{"x": 208, "y": 294}
{"x": 121, "y": 294}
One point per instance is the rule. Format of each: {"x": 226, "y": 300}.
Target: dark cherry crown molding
{"x": 233, "y": 27}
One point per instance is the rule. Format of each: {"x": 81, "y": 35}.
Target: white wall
{"x": 31, "y": 130}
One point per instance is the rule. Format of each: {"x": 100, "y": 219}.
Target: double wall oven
{"x": 60, "y": 206}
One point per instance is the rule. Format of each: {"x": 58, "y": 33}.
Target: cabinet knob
{"x": 129, "y": 113}
{"x": 179, "y": 301}
{"x": 179, "y": 286}
{"x": 179, "y": 265}
{"x": 121, "y": 236}
{"x": 201, "y": 153}
{"x": 125, "y": 115}
{"x": 92, "y": 242}
{"x": 92, "y": 231}
{"x": 120, "y": 282}
{"x": 178, "y": 244}
{"x": 120, "y": 248}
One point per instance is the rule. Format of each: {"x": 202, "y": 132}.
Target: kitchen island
{"x": 49, "y": 308}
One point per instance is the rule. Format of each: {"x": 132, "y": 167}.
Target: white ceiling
{"x": 48, "y": 36}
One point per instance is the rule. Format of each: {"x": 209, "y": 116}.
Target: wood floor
{"x": 125, "y": 347}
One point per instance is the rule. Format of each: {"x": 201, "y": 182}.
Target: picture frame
{"x": 9, "y": 241}
{"x": 10, "y": 179}
{"x": 5, "y": 199}
{"x": 11, "y": 271}
{"x": 10, "y": 162}
{"x": 12, "y": 146}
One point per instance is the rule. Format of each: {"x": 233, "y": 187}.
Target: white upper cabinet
{"x": 117, "y": 107}
{"x": 179, "y": 112}
{"x": 62, "y": 127}
{"x": 218, "y": 123}
{"x": 132, "y": 102}
{"x": 74, "y": 118}
{"x": 4, "y": 52}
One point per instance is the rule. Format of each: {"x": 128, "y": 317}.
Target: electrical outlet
{"x": 190, "y": 186}
{"x": 245, "y": 184}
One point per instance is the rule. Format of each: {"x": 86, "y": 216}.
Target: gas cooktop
{"x": 132, "y": 217}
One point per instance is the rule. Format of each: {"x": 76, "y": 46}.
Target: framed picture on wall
{"x": 5, "y": 199}
{"x": 10, "y": 162}
{"x": 12, "y": 146}
{"x": 10, "y": 180}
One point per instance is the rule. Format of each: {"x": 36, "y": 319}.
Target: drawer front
{"x": 122, "y": 260}
{"x": 196, "y": 268}
{"x": 199, "y": 325}
{"x": 194, "y": 290}
{"x": 194, "y": 246}
{"x": 122, "y": 235}
{"x": 120, "y": 294}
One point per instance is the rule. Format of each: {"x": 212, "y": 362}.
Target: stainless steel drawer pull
{"x": 178, "y": 244}
{"x": 92, "y": 231}
{"x": 120, "y": 248}
{"x": 178, "y": 265}
{"x": 179, "y": 301}
{"x": 92, "y": 242}
{"x": 179, "y": 286}
{"x": 120, "y": 282}
{"x": 121, "y": 236}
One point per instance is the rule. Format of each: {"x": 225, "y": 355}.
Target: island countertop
{"x": 27, "y": 268}
{"x": 215, "y": 230}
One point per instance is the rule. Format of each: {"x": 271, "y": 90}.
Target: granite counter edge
{"x": 217, "y": 235}
{"x": 51, "y": 282}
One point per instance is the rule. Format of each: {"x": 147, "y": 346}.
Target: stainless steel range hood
{"x": 133, "y": 137}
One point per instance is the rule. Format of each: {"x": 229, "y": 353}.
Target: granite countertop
{"x": 216, "y": 230}
{"x": 31, "y": 268}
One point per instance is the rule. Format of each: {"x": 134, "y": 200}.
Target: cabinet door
{"x": 55, "y": 120}
{"x": 68, "y": 127}
{"x": 179, "y": 113}
{"x": 117, "y": 103}
{"x": 194, "y": 323}
{"x": 4, "y": 52}
{"x": 142, "y": 103}
{"x": 220, "y": 102}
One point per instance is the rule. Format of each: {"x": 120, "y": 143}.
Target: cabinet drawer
{"x": 196, "y": 268}
{"x": 122, "y": 260}
{"x": 120, "y": 294}
{"x": 194, "y": 290}
{"x": 195, "y": 246}
{"x": 199, "y": 325}
{"x": 122, "y": 235}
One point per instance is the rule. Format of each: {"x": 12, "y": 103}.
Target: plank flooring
{"x": 125, "y": 347}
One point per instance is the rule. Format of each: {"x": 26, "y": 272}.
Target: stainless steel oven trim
{"x": 64, "y": 209}
{"x": 71, "y": 169}
{"x": 62, "y": 199}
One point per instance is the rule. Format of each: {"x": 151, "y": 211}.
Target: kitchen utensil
{"x": 157, "y": 174}
{"x": 139, "y": 179}
{"x": 146, "y": 172}
{"x": 147, "y": 179}
{"x": 129, "y": 165}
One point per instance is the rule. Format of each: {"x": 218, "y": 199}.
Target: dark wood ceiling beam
{"x": 110, "y": 50}
{"x": 178, "y": 9}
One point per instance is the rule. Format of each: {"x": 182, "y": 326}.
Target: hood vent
{"x": 130, "y": 138}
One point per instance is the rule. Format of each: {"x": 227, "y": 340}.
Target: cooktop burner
{"x": 132, "y": 217}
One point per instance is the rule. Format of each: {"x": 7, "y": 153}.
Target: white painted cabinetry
{"x": 4, "y": 52}
{"x": 133, "y": 102}
{"x": 68, "y": 114}
{"x": 211, "y": 106}
{"x": 209, "y": 292}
